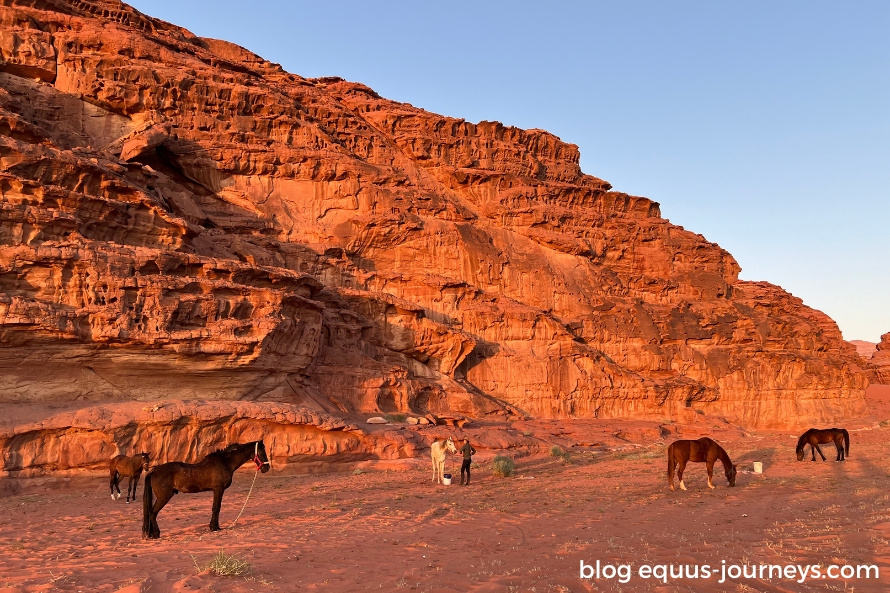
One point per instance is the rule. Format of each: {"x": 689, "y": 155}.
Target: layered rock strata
{"x": 187, "y": 431}
{"x": 183, "y": 219}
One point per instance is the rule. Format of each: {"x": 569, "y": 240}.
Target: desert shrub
{"x": 396, "y": 417}
{"x": 502, "y": 466}
{"x": 557, "y": 451}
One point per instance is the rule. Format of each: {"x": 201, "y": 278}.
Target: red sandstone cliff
{"x": 181, "y": 219}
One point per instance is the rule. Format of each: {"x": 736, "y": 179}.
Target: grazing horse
{"x": 130, "y": 467}
{"x": 704, "y": 449}
{"x": 816, "y": 436}
{"x": 214, "y": 472}
{"x": 438, "y": 450}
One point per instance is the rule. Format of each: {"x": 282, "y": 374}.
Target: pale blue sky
{"x": 763, "y": 125}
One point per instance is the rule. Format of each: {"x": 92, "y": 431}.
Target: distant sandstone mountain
{"x": 182, "y": 219}
{"x": 876, "y": 358}
{"x": 864, "y": 349}
{"x": 880, "y": 360}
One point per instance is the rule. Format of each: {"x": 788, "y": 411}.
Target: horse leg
{"x": 134, "y": 481}
{"x": 217, "y": 506}
{"x": 820, "y": 453}
{"x": 710, "y": 465}
{"x": 113, "y": 475}
{"x": 840, "y": 449}
{"x": 813, "y": 451}
{"x": 161, "y": 500}
{"x": 681, "y": 467}
{"x": 671, "y": 465}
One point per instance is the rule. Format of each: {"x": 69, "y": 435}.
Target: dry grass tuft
{"x": 225, "y": 566}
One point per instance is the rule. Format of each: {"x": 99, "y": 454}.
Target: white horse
{"x": 438, "y": 450}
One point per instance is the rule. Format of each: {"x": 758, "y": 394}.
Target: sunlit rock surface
{"x": 183, "y": 220}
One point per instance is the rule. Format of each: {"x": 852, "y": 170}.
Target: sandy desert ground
{"x": 387, "y": 528}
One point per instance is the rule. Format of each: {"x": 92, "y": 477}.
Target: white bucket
{"x": 446, "y": 479}
{"x": 758, "y": 467}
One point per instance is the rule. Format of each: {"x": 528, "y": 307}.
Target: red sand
{"x": 392, "y": 530}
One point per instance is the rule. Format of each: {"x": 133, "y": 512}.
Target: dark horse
{"x": 704, "y": 449}
{"x": 214, "y": 472}
{"x": 131, "y": 467}
{"x": 816, "y": 436}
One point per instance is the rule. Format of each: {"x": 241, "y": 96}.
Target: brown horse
{"x": 214, "y": 472}
{"x": 130, "y": 467}
{"x": 704, "y": 449}
{"x": 816, "y": 436}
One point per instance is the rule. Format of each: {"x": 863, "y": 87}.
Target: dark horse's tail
{"x": 146, "y": 506}
{"x": 670, "y": 463}
{"x": 846, "y": 442}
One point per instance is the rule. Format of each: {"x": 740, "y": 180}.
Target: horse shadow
{"x": 765, "y": 455}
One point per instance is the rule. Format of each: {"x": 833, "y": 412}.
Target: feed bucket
{"x": 446, "y": 479}
{"x": 758, "y": 467}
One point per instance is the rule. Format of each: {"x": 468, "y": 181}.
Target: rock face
{"x": 880, "y": 361}
{"x": 187, "y": 431}
{"x": 182, "y": 219}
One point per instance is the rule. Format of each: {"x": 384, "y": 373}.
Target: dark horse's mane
{"x": 227, "y": 450}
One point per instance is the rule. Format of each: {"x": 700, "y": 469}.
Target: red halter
{"x": 256, "y": 458}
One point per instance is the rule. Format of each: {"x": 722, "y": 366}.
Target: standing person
{"x": 468, "y": 452}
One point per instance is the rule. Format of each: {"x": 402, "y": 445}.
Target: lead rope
{"x": 255, "y": 474}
